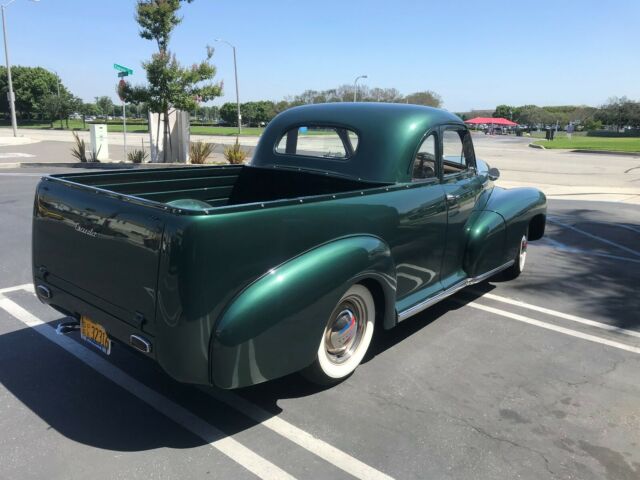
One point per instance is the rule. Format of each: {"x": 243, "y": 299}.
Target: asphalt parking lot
{"x": 534, "y": 378}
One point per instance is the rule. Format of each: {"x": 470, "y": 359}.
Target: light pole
{"x": 235, "y": 69}
{"x": 11, "y": 96}
{"x": 355, "y": 87}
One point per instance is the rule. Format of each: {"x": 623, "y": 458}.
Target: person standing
{"x": 570, "y": 129}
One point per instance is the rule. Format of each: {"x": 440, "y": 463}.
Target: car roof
{"x": 388, "y": 136}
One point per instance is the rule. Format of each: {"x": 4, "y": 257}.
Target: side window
{"x": 453, "y": 152}
{"x": 424, "y": 165}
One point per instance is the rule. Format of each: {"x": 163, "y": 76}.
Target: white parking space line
{"x": 595, "y": 237}
{"x": 596, "y": 222}
{"x": 26, "y": 286}
{"x": 549, "y": 326}
{"x": 565, "y": 316}
{"x": 298, "y": 436}
{"x": 322, "y": 449}
{"x": 16, "y": 155}
{"x": 566, "y": 248}
{"x": 237, "y": 452}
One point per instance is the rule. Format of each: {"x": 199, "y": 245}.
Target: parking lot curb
{"x": 607, "y": 152}
{"x": 533, "y": 145}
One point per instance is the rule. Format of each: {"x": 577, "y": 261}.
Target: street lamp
{"x": 355, "y": 87}
{"x": 11, "y": 96}
{"x": 235, "y": 68}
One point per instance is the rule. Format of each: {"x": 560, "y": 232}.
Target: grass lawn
{"x": 229, "y": 131}
{"x": 594, "y": 143}
{"x": 541, "y": 134}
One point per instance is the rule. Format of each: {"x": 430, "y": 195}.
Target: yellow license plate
{"x": 95, "y": 334}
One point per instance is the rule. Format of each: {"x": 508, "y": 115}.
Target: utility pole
{"x": 355, "y": 87}
{"x": 11, "y": 96}
{"x": 235, "y": 69}
{"x": 59, "y": 101}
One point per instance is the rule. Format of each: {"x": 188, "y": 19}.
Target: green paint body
{"x": 240, "y": 294}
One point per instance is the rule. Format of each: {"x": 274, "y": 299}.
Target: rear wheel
{"x": 519, "y": 262}
{"x": 345, "y": 339}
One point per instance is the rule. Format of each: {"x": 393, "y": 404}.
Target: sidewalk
{"x": 580, "y": 192}
{"x": 133, "y": 139}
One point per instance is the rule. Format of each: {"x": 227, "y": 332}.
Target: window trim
{"x": 334, "y": 126}
{"x": 471, "y": 169}
{"x": 435, "y": 132}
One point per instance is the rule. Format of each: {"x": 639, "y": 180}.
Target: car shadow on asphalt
{"x": 602, "y": 277}
{"x": 295, "y": 386}
{"x": 82, "y": 405}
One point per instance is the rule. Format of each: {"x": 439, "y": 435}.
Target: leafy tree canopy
{"x": 32, "y": 87}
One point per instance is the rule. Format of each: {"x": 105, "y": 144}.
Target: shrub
{"x": 200, "y": 151}
{"x": 613, "y": 133}
{"x": 234, "y": 154}
{"x": 138, "y": 156}
{"x": 79, "y": 151}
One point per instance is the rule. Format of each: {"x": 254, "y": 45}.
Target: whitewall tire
{"x": 346, "y": 337}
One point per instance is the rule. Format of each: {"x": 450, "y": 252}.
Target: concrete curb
{"x": 537, "y": 146}
{"x": 608, "y": 152}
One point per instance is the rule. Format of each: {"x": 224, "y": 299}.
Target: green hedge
{"x": 130, "y": 121}
{"x": 610, "y": 133}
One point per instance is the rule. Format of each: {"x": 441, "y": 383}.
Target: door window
{"x": 457, "y": 152}
{"x": 424, "y": 164}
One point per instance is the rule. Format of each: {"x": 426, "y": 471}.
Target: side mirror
{"x": 493, "y": 174}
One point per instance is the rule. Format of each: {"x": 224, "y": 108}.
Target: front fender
{"x": 486, "y": 243}
{"x": 517, "y": 206}
{"x": 273, "y": 327}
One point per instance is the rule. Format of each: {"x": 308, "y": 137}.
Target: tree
{"x": 621, "y": 112}
{"x": 32, "y": 86}
{"x": 87, "y": 110}
{"x": 170, "y": 86}
{"x": 504, "y": 111}
{"x": 229, "y": 113}
{"x": 428, "y": 98}
{"x": 256, "y": 113}
{"x": 105, "y": 105}
{"x": 53, "y": 106}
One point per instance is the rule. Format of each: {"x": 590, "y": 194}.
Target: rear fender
{"x": 272, "y": 328}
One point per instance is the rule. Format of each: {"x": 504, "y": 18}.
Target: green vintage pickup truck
{"x": 349, "y": 219}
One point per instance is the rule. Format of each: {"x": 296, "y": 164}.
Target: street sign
{"x": 125, "y": 70}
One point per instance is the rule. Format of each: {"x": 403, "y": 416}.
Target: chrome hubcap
{"x": 345, "y": 329}
{"x": 523, "y": 252}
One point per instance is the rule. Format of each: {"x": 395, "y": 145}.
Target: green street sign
{"x": 120, "y": 68}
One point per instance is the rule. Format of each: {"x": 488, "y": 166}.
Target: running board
{"x": 420, "y": 307}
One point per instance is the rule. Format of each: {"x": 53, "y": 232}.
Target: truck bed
{"x": 216, "y": 186}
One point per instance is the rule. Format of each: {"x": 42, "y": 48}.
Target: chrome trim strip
{"x": 411, "y": 311}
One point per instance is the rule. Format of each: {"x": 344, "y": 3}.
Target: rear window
{"x": 319, "y": 141}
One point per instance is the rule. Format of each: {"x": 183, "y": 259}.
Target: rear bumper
{"x": 73, "y": 305}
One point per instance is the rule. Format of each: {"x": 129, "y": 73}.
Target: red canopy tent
{"x": 492, "y": 121}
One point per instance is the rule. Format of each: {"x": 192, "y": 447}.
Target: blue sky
{"x": 475, "y": 54}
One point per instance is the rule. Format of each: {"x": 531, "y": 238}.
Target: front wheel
{"x": 516, "y": 269}
{"x": 345, "y": 339}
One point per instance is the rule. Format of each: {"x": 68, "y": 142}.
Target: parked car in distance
{"x": 350, "y": 219}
